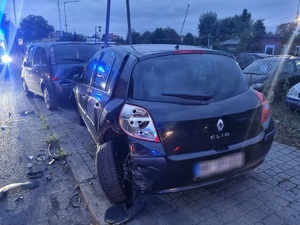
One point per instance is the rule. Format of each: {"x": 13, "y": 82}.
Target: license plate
{"x": 221, "y": 165}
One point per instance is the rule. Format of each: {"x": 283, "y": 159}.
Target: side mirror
{"x": 77, "y": 78}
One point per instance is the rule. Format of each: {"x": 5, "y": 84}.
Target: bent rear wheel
{"x": 109, "y": 170}
{"x": 49, "y": 99}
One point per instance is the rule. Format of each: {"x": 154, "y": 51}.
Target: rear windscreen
{"x": 74, "y": 53}
{"x": 187, "y": 78}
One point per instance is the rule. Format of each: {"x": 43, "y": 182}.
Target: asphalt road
{"x": 268, "y": 195}
{"x": 23, "y": 148}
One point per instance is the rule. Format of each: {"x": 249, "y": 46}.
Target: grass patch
{"x": 52, "y": 139}
{"x": 287, "y": 123}
{"x": 44, "y": 125}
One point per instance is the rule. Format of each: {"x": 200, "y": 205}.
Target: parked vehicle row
{"x": 165, "y": 118}
{"x": 273, "y": 76}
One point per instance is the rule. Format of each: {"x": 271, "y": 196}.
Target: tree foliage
{"x": 158, "y": 36}
{"x": 33, "y": 28}
{"x": 5, "y": 25}
{"x": 212, "y": 29}
{"x": 72, "y": 37}
{"x": 286, "y": 29}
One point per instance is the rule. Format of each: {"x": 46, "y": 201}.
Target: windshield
{"x": 187, "y": 78}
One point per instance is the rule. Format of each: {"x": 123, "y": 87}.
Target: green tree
{"x": 164, "y": 36}
{"x": 207, "y": 27}
{"x": 136, "y": 37}
{"x": 5, "y": 25}
{"x": 35, "y": 28}
{"x": 286, "y": 29}
{"x": 189, "y": 39}
{"x": 72, "y": 37}
{"x": 147, "y": 37}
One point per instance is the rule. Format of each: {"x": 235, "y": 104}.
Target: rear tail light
{"x": 137, "y": 122}
{"x": 55, "y": 77}
{"x": 265, "y": 107}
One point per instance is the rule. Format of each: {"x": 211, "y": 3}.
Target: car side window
{"x": 103, "y": 70}
{"x": 90, "y": 69}
{"x": 30, "y": 57}
{"x": 288, "y": 67}
{"x": 39, "y": 56}
{"x": 297, "y": 61}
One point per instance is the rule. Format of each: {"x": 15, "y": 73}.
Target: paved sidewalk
{"x": 268, "y": 195}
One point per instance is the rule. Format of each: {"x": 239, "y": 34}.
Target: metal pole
{"x": 129, "y": 23}
{"x": 66, "y": 24}
{"x": 65, "y": 17}
{"x": 107, "y": 24}
{"x": 14, "y": 2}
{"x": 61, "y": 34}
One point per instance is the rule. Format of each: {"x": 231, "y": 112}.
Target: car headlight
{"x": 6, "y": 59}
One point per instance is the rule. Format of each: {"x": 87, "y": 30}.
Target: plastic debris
{"x": 29, "y": 165}
{"x": 75, "y": 201}
{"x": 19, "y": 198}
{"x": 26, "y": 185}
{"x": 40, "y": 158}
{"x": 120, "y": 213}
{"x": 24, "y": 113}
{"x": 36, "y": 174}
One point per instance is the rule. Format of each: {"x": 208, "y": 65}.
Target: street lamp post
{"x": 66, "y": 24}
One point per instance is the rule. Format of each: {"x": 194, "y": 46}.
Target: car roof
{"x": 144, "y": 50}
{"x": 60, "y": 43}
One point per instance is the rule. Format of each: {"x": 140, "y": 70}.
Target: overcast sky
{"x": 83, "y": 16}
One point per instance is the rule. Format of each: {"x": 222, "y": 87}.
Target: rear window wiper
{"x": 77, "y": 60}
{"x": 252, "y": 73}
{"x": 202, "y": 97}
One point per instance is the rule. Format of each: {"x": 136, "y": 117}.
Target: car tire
{"x": 50, "y": 99}
{"x": 25, "y": 89}
{"x": 107, "y": 171}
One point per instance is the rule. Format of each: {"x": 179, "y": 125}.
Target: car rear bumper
{"x": 63, "y": 90}
{"x": 165, "y": 174}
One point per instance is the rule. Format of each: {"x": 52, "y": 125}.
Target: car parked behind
{"x": 246, "y": 58}
{"x": 292, "y": 98}
{"x": 169, "y": 118}
{"x": 48, "y": 68}
{"x": 273, "y": 75}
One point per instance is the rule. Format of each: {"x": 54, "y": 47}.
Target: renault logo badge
{"x": 220, "y": 125}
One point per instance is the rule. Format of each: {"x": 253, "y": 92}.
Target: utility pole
{"x": 129, "y": 23}
{"x": 107, "y": 24}
{"x": 66, "y": 24}
{"x": 61, "y": 34}
{"x": 14, "y": 2}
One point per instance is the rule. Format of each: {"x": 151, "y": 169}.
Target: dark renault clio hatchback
{"x": 169, "y": 118}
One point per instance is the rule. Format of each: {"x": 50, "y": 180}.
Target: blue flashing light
{"x": 101, "y": 69}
